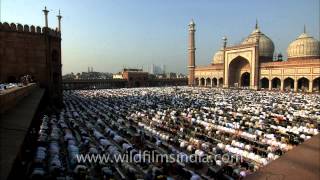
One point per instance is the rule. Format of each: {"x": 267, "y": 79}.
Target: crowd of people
{"x": 258, "y": 126}
{"x": 24, "y": 80}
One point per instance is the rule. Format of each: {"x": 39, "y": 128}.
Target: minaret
{"x": 191, "y": 54}
{"x": 59, "y": 21}
{"x": 255, "y": 74}
{"x": 46, "y": 16}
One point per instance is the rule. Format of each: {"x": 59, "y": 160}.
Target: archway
{"x": 202, "y": 82}
{"x": 276, "y": 83}
{"x": 264, "y": 83}
{"x": 11, "y": 79}
{"x": 303, "y": 84}
{"x": 197, "y": 82}
{"x": 136, "y": 84}
{"x": 245, "y": 79}
{"x": 214, "y": 81}
{"x": 316, "y": 85}
{"x": 208, "y": 82}
{"x": 220, "y": 82}
{"x": 288, "y": 84}
{"x": 239, "y": 66}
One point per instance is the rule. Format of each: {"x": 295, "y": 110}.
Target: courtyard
{"x": 207, "y": 123}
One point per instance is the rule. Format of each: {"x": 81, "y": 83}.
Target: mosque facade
{"x": 252, "y": 64}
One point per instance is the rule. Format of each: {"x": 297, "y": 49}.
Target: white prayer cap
{"x": 219, "y": 162}
{"x": 263, "y": 161}
{"x": 189, "y": 148}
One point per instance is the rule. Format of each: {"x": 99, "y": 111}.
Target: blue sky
{"x": 110, "y": 34}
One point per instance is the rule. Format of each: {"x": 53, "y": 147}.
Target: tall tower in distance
{"x": 191, "y": 53}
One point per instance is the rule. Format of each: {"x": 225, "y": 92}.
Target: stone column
{"x": 282, "y": 85}
{"x": 270, "y": 84}
{"x": 295, "y": 87}
{"x": 191, "y": 54}
{"x": 211, "y": 80}
{"x": 45, "y": 11}
{"x": 310, "y": 86}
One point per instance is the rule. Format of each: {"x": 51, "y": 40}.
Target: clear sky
{"x": 110, "y": 34}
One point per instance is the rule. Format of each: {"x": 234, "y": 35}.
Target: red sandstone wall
{"x": 34, "y": 51}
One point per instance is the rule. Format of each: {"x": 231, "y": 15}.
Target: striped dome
{"x": 266, "y": 46}
{"x": 218, "y": 57}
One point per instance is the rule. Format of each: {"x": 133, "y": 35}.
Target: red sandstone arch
{"x": 264, "y": 83}
{"x": 276, "y": 83}
{"x": 237, "y": 67}
{"x": 220, "y": 82}
{"x": 214, "y": 82}
{"x": 202, "y": 80}
{"x": 316, "y": 85}
{"x": 197, "y": 82}
{"x": 288, "y": 84}
{"x": 303, "y": 84}
{"x": 208, "y": 82}
{"x": 245, "y": 79}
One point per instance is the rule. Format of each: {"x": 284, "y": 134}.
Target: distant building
{"x": 117, "y": 76}
{"x": 88, "y": 75}
{"x": 156, "y": 70}
{"x": 135, "y": 77}
{"x": 171, "y": 75}
{"x": 69, "y": 76}
{"x": 180, "y": 75}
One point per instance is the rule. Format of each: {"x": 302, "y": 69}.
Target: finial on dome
{"x": 256, "y": 26}
{"x": 304, "y": 29}
{"x": 192, "y": 22}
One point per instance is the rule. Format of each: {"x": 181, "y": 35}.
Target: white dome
{"x": 304, "y": 46}
{"x": 266, "y": 46}
{"x": 218, "y": 57}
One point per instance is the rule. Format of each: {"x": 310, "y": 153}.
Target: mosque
{"x": 252, "y": 64}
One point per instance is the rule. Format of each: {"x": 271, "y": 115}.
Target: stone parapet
{"x": 9, "y": 98}
{"x": 36, "y": 30}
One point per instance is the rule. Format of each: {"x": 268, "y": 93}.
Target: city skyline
{"x": 110, "y": 35}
